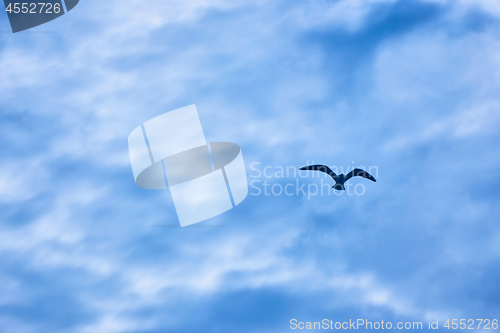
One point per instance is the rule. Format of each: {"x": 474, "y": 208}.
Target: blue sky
{"x": 411, "y": 87}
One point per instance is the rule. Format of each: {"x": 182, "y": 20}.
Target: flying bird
{"x": 340, "y": 179}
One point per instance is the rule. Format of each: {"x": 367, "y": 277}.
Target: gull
{"x": 339, "y": 179}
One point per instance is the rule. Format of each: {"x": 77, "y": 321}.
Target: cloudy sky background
{"x": 411, "y": 87}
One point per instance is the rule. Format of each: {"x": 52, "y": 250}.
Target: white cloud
{"x": 21, "y": 180}
{"x": 348, "y": 15}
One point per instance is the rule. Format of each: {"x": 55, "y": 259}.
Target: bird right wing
{"x": 359, "y": 173}
{"x": 322, "y": 168}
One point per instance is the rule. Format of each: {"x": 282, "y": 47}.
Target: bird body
{"x": 339, "y": 179}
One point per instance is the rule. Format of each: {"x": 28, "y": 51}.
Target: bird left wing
{"x": 359, "y": 173}
{"x": 319, "y": 167}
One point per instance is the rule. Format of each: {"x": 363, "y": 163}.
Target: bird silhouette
{"x": 339, "y": 179}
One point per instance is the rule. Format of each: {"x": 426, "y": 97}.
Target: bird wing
{"x": 322, "y": 168}
{"x": 359, "y": 173}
